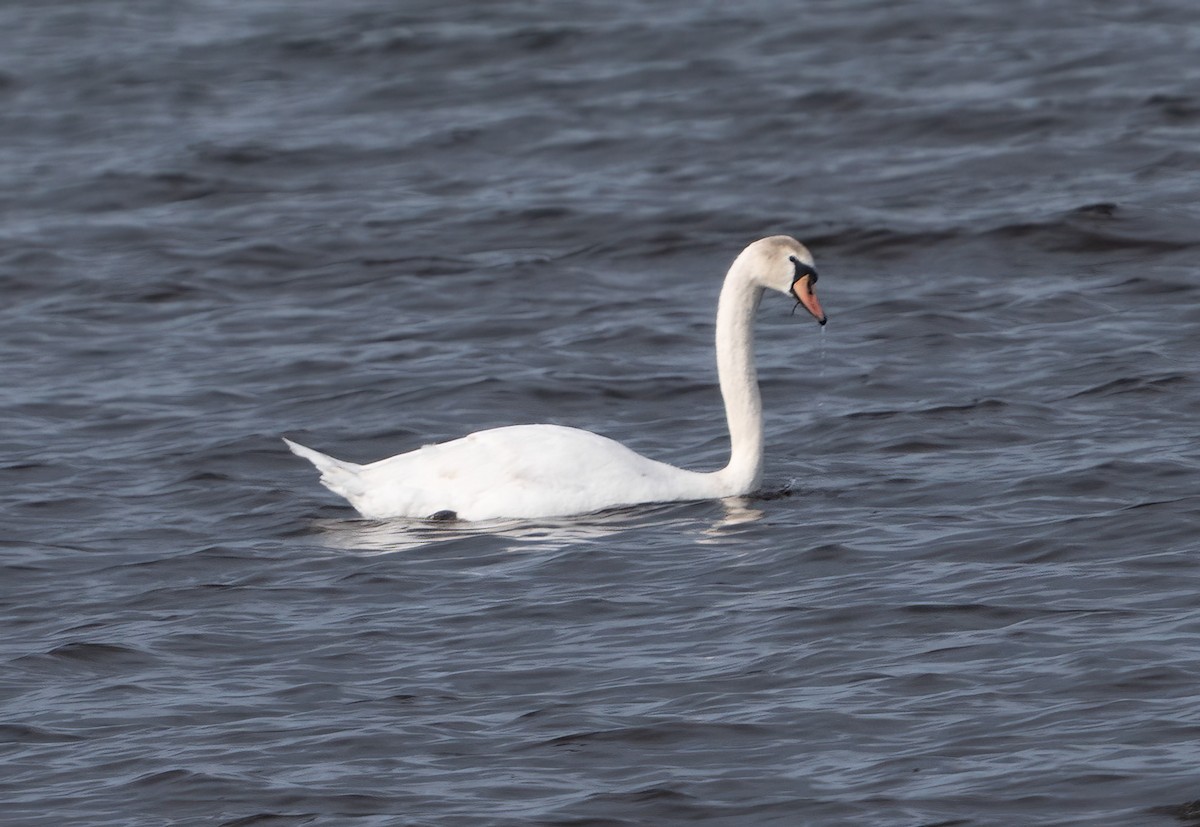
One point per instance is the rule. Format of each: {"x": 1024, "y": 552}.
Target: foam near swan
{"x": 527, "y": 471}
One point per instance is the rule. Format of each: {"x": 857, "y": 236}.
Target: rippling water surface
{"x": 968, "y": 594}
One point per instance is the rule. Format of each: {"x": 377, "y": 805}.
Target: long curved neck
{"x": 739, "y": 381}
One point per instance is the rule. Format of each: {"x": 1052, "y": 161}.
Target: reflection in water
{"x": 738, "y": 511}
{"x": 388, "y": 536}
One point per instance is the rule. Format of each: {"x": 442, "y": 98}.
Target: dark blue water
{"x": 968, "y": 594}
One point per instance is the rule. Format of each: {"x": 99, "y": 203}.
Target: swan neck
{"x": 738, "y": 378}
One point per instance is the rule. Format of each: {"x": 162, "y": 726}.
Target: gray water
{"x": 967, "y": 594}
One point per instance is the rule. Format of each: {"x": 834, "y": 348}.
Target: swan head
{"x": 782, "y": 263}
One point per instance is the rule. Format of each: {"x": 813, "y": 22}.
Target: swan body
{"x": 530, "y": 471}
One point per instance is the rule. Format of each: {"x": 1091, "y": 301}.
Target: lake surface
{"x": 969, "y": 593}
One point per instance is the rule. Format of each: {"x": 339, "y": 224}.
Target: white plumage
{"x": 549, "y": 470}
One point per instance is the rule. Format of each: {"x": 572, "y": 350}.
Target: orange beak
{"x": 803, "y": 291}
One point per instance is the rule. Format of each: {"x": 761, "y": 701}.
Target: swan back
{"x": 515, "y": 471}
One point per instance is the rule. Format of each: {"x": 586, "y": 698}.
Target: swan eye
{"x": 803, "y": 270}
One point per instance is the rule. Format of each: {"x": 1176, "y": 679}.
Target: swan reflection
{"x": 390, "y": 536}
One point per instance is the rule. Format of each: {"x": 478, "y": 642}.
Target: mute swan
{"x": 525, "y": 471}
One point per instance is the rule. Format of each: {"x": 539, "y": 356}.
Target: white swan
{"x": 526, "y": 471}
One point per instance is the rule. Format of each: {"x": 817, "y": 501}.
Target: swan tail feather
{"x": 337, "y": 475}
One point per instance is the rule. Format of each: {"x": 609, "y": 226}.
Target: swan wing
{"x": 516, "y": 471}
